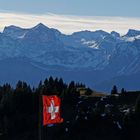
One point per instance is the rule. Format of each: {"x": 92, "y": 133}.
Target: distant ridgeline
{"x": 97, "y": 58}
{"x": 87, "y": 114}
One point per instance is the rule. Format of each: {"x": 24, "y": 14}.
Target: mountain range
{"x": 97, "y": 58}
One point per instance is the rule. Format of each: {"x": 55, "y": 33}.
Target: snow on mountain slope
{"x": 84, "y": 38}
{"x": 115, "y": 34}
{"x": 48, "y": 46}
{"x": 132, "y": 33}
{"x": 83, "y": 49}
{"x": 73, "y": 58}
{"x": 14, "y": 32}
{"x": 108, "y": 53}
{"x": 125, "y": 60}
{"x": 8, "y": 47}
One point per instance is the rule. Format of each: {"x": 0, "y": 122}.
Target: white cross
{"x": 53, "y": 109}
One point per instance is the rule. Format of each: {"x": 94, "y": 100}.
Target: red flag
{"x": 51, "y": 110}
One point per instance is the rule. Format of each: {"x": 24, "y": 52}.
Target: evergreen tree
{"x": 123, "y": 91}
{"x": 114, "y": 90}
{"x": 46, "y": 82}
{"x": 137, "y": 107}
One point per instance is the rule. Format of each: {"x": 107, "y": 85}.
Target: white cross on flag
{"x": 51, "y": 110}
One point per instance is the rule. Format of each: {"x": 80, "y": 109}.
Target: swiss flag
{"x": 51, "y": 110}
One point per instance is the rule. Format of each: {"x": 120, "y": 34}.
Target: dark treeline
{"x": 19, "y": 106}
{"x": 116, "y": 116}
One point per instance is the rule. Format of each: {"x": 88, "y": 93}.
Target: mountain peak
{"x": 14, "y": 31}
{"x": 40, "y": 26}
{"x": 132, "y": 33}
{"x": 115, "y": 34}
{"x": 11, "y": 27}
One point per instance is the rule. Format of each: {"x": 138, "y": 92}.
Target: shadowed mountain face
{"x": 99, "y": 59}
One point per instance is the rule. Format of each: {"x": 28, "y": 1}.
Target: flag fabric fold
{"x": 51, "y": 110}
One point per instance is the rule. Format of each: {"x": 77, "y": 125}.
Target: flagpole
{"x": 40, "y": 116}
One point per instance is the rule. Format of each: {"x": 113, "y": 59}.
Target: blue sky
{"x": 127, "y": 8}
{"x": 72, "y": 15}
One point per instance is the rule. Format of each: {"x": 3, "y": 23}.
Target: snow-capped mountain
{"x": 132, "y": 33}
{"x": 14, "y": 32}
{"x": 100, "y": 54}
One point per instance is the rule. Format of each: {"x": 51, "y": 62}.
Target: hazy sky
{"x": 129, "y": 8}
{"x": 72, "y": 15}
